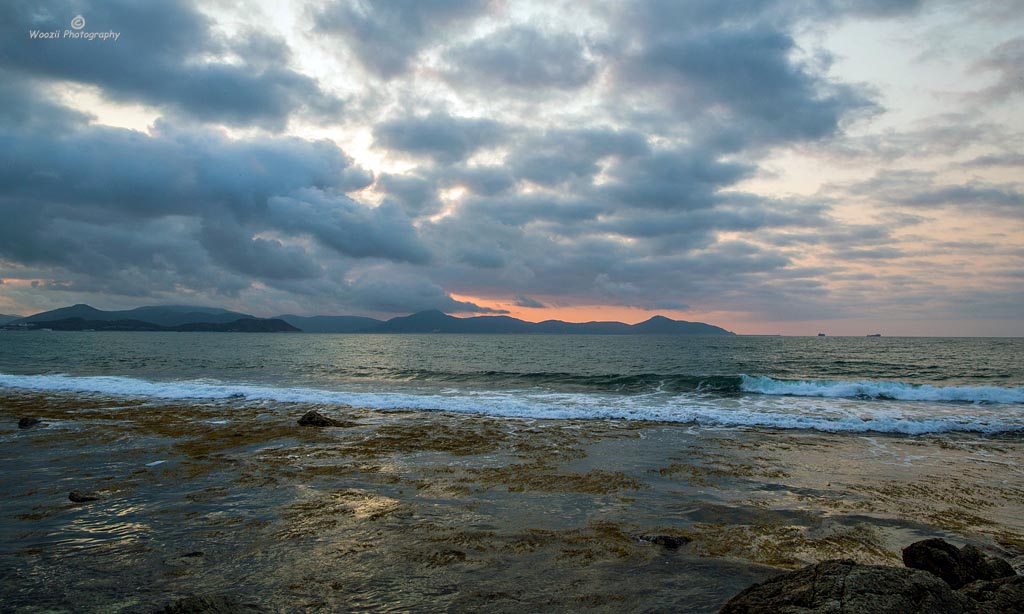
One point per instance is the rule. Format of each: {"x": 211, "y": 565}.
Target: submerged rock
{"x": 671, "y": 542}
{"x": 850, "y": 588}
{"x": 315, "y": 418}
{"x": 957, "y": 566}
{"x": 209, "y": 604}
{"x": 28, "y": 422}
{"x": 76, "y": 496}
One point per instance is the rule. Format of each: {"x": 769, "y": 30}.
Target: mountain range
{"x": 192, "y": 318}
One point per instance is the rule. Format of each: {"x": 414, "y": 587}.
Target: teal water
{"x": 889, "y": 384}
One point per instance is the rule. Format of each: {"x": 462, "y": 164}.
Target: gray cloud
{"x": 387, "y": 36}
{"x": 126, "y": 213}
{"x": 522, "y": 58}
{"x": 162, "y": 58}
{"x": 525, "y": 301}
{"x": 347, "y": 226}
{"x": 401, "y": 293}
{"x": 601, "y": 158}
{"x": 1007, "y": 59}
{"x": 439, "y": 136}
{"x": 741, "y": 81}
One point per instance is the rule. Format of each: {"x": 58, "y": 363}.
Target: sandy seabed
{"x": 428, "y": 511}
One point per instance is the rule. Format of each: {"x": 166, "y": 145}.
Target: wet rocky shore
{"x": 238, "y": 504}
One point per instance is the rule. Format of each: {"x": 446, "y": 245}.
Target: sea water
{"x": 835, "y": 384}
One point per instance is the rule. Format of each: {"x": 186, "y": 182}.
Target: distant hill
{"x": 190, "y": 318}
{"x": 331, "y": 324}
{"x": 163, "y": 315}
{"x": 437, "y": 322}
{"x": 4, "y": 318}
{"x": 242, "y": 325}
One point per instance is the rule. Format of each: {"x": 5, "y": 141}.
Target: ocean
{"x": 487, "y": 473}
{"x": 859, "y": 384}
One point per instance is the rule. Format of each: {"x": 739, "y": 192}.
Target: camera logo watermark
{"x": 75, "y": 33}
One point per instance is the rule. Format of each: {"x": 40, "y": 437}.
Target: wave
{"x": 896, "y": 391}
{"x": 632, "y": 383}
{"x": 682, "y": 408}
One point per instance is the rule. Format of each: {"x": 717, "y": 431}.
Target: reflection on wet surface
{"x": 426, "y": 511}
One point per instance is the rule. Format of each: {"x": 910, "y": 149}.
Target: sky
{"x": 773, "y": 167}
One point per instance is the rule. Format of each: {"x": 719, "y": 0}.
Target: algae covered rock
{"x": 846, "y": 587}
{"x": 315, "y": 418}
{"x": 957, "y": 566}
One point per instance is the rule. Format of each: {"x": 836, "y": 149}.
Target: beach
{"x": 398, "y": 510}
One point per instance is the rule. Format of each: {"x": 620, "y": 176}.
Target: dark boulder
{"x": 28, "y": 422}
{"x": 957, "y": 566}
{"x": 76, "y": 496}
{"x": 315, "y": 418}
{"x": 997, "y": 596}
{"x": 850, "y": 588}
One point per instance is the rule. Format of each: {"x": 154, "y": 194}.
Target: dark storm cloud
{"x": 167, "y": 55}
{"x": 417, "y": 195}
{"x": 169, "y": 172}
{"x": 348, "y": 227}
{"x": 525, "y": 301}
{"x": 440, "y": 136}
{"x": 682, "y": 179}
{"x": 562, "y": 155}
{"x": 523, "y": 58}
{"x": 133, "y": 214}
{"x": 401, "y": 293}
{"x": 743, "y": 82}
{"x": 236, "y": 248}
{"x": 483, "y": 180}
{"x": 387, "y": 36}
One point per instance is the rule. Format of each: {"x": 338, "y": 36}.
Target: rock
{"x": 28, "y": 422}
{"x": 82, "y": 497}
{"x": 1017, "y": 563}
{"x": 315, "y": 418}
{"x": 984, "y": 566}
{"x": 997, "y": 596}
{"x": 209, "y": 604}
{"x": 957, "y": 566}
{"x": 671, "y": 542}
{"x": 850, "y": 588}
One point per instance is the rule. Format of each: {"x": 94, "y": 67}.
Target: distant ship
{"x": 821, "y": 334}
{"x": 875, "y": 335}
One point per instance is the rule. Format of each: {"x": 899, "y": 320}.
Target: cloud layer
{"x": 631, "y": 155}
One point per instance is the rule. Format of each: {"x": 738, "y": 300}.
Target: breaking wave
{"x": 756, "y": 408}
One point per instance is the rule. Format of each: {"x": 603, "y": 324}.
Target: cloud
{"x": 402, "y": 293}
{"x": 168, "y": 55}
{"x": 521, "y": 58}
{"x": 741, "y": 81}
{"x": 525, "y": 301}
{"x": 1007, "y": 59}
{"x": 387, "y": 36}
{"x": 128, "y": 213}
{"x": 348, "y": 227}
{"x": 440, "y": 136}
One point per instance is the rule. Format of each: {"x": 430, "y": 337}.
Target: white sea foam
{"x": 881, "y": 390}
{"x": 832, "y": 415}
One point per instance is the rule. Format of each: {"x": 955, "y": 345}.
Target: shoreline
{"x": 434, "y": 510}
